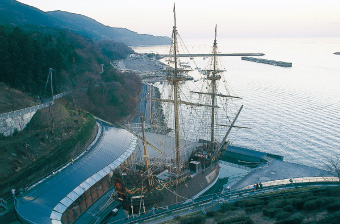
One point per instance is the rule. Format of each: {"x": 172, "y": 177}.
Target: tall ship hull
{"x": 163, "y": 193}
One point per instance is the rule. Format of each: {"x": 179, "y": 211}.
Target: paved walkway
{"x": 301, "y": 180}
{"x": 278, "y": 170}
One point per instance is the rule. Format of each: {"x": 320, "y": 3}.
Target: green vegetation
{"x": 26, "y": 57}
{"x": 195, "y": 218}
{"x": 114, "y": 50}
{"x": 298, "y": 206}
{"x": 238, "y": 220}
{"x": 13, "y": 99}
{"x": 56, "y": 135}
{"x": 26, "y": 54}
{"x": 53, "y": 137}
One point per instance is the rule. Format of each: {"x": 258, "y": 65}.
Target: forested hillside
{"x": 97, "y": 31}
{"x": 27, "y": 53}
{"x": 25, "y": 57}
{"x": 57, "y": 134}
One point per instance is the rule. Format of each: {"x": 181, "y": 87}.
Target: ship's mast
{"x": 151, "y": 113}
{"x": 175, "y": 80}
{"x": 213, "y": 79}
{"x": 146, "y": 159}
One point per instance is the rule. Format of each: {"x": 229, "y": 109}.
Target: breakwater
{"x": 209, "y": 55}
{"x": 269, "y": 62}
{"x": 248, "y": 157}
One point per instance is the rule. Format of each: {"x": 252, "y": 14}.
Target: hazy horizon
{"x": 242, "y": 18}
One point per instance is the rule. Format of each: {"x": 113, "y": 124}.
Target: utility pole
{"x": 50, "y": 74}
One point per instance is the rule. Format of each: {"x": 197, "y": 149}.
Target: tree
{"x": 333, "y": 165}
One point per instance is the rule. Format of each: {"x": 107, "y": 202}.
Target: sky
{"x": 197, "y": 18}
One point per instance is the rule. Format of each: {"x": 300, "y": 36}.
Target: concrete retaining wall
{"x": 18, "y": 119}
{"x": 10, "y": 125}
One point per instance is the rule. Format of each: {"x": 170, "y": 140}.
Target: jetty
{"x": 269, "y": 62}
{"x": 221, "y": 54}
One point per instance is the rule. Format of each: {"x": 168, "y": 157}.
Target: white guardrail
{"x": 300, "y": 180}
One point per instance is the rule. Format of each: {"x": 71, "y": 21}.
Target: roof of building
{"x": 45, "y": 202}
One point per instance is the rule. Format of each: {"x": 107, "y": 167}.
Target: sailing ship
{"x": 158, "y": 182}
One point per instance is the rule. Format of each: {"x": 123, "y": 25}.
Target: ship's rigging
{"x": 203, "y": 154}
{"x": 175, "y": 76}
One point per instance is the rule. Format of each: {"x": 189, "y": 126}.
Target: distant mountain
{"x": 95, "y": 30}
{"x": 16, "y": 13}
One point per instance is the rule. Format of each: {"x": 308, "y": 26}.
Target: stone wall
{"x": 10, "y": 125}
{"x": 17, "y": 120}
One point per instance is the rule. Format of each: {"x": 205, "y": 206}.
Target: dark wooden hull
{"x": 164, "y": 194}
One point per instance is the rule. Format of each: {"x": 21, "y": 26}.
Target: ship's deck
{"x": 166, "y": 144}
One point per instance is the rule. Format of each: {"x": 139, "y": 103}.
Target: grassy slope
{"x": 39, "y": 149}
{"x": 12, "y": 99}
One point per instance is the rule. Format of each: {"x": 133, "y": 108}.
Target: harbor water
{"x": 293, "y": 112}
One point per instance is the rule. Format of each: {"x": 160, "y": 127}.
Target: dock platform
{"x": 248, "y": 157}
{"x": 269, "y": 62}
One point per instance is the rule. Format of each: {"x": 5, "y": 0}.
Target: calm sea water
{"x": 294, "y": 112}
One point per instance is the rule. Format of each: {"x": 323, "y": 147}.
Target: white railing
{"x": 300, "y": 180}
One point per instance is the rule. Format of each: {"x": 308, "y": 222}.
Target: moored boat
{"x": 182, "y": 168}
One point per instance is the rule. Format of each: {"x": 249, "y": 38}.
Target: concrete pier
{"x": 267, "y": 167}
